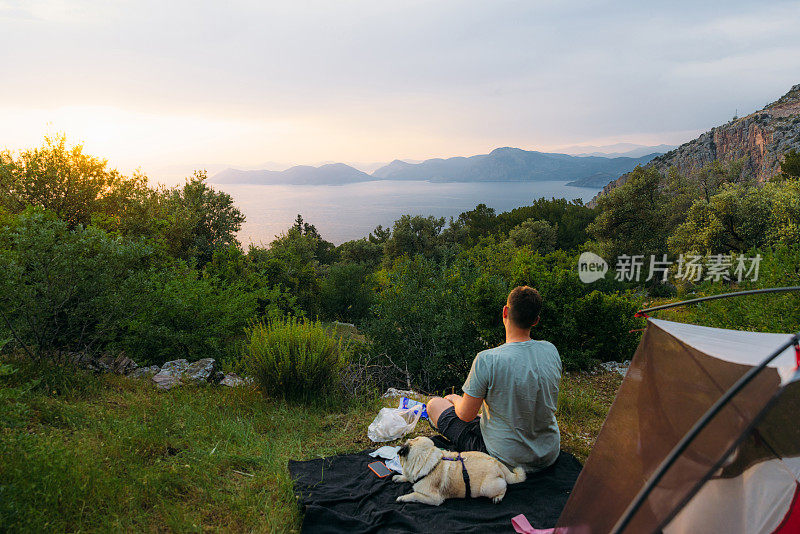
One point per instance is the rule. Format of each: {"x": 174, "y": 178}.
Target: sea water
{"x": 344, "y": 212}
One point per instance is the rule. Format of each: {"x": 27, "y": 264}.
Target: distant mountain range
{"x": 501, "y": 165}
{"x": 329, "y": 174}
{"x": 619, "y": 150}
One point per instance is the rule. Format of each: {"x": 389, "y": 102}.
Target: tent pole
{"x": 687, "y": 439}
{"x": 640, "y": 313}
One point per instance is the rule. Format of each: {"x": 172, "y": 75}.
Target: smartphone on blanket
{"x": 380, "y": 469}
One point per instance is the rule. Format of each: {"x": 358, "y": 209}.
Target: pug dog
{"x": 437, "y": 474}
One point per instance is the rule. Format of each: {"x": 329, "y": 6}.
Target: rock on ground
{"x": 620, "y": 367}
{"x": 204, "y": 370}
{"x": 392, "y": 392}
{"x": 166, "y": 381}
{"x": 233, "y": 380}
{"x": 117, "y": 364}
{"x": 170, "y": 374}
{"x": 178, "y": 372}
{"x": 145, "y": 372}
{"x": 175, "y": 367}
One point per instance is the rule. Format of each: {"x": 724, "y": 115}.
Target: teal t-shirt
{"x": 519, "y": 386}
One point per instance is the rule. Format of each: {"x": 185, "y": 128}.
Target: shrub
{"x": 346, "y": 292}
{"x": 59, "y": 286}
{"x": 175, "y": 313}
{"x": 422, "y": 325}
{"x": 294, "y": 359}
{"x": 431, "y": 320}
{"x": 540, "y": 236}
{"x": 771, "y": 312}
{"x": 602, "y": 330}
{"x": 586, "y": 322}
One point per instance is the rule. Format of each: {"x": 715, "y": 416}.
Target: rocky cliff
{"x": 759, "y": 139}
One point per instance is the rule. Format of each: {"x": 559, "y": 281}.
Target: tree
{"x": 178, "y": 313}
{"x": 361, "y": 251}
{"x": 539, "y": 236}
{"x": 412, "y": 235}
{"x": 477, "y": 223}
{"x": 570, "y": 218}
{"x": 421, "y": 324}
{"x": 291, "y": 262}
{"x": 630, "y": 219}
{"x": 380, "y": 235}
{"x": 739, "y": 217}
{"x": 203, "y": 219}
{"x": 790, "y": 168}
{"x": 325, "y": 251}
{"x": 712, "y": 176}
{"x": 346, "y": 292}
{"x": 67, "y": 182}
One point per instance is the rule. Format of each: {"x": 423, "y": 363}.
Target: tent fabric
{"x": 340, "y": 495}
{"x": 677, "y": 373}
{"x": 736, "y": 346}
{"x": 757, "y": 501}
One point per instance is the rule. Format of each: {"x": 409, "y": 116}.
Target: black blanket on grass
{"x": 340, "y": 494}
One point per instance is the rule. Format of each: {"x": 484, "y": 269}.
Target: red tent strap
{"x": 791, "y": 521}
{"x": 797, "y": 354}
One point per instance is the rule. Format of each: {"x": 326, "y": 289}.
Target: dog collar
{"x": 463, "y": 473}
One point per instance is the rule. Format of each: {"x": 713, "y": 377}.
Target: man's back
{"x": 519, "y": 384}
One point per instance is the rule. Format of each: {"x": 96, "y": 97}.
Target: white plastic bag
{"x": 393, "y": 423}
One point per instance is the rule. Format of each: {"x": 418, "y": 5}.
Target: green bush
{"x": 422, "y": 324}
{"x": 601, "y": 330}
{"x": 175, "y": 313}
{"x": 59, "y": 286}
{"x": 771, "y": 312}
{"x": 540, "y": 236}
{"x": 295, "y": 359}
{"x": 346, "y": 293}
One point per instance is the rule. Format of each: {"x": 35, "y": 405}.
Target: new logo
{"x": 591, "y": 267}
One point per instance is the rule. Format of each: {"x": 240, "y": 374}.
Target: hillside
{"x": 760, "y": 139}
{"x": 501, "y": 165}
{"x": 510, "y": 165}
{"x": 330, "y": 174}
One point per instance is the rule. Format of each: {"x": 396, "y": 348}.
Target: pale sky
{"x": 173, "y": 84}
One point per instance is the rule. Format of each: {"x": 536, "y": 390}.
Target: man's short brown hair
{"x": 524, "y": 306}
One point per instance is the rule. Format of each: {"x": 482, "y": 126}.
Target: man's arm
{"x": 467, "y": 406}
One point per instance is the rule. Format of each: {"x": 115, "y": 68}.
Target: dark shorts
{"x": 465, "y": 436}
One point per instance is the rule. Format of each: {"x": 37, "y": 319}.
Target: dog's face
{"x": 418, "y": 457}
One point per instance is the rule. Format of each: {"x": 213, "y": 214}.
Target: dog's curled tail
{"x": 515, "y": 476}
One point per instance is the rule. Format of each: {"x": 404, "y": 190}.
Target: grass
{"x": 114, "y": 454}
{"x": 583, "y": 402}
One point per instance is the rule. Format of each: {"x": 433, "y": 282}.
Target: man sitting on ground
{"x": 517, "y": 386}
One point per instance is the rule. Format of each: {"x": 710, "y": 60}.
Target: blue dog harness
{"x": 464, "y": 473}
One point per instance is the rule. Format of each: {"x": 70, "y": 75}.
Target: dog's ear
{"x": 421, "y": 460}
{"x": 404, "y": 450}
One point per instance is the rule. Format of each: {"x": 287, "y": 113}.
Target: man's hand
{"x": 467, "y": 407}
{"x": 454, "y": 399}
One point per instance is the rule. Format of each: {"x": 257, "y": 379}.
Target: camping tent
{"x": 704, "y": 436}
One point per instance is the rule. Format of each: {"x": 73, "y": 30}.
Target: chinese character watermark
{"x": 688, "y": 267}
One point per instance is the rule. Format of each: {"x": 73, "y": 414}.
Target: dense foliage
{"x": 59, "y": 286}
{"x": 94, "y": 261}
